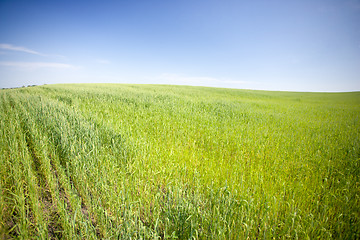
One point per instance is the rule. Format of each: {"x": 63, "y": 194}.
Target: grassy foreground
{"x": 115, "y": 161}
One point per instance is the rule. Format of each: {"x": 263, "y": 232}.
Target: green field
{"x": 116, "y": 161}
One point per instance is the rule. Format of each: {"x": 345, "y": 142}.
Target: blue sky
{"x": 296, "y": 45}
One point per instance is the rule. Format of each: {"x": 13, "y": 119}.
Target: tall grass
{"x": 151, "y": 161}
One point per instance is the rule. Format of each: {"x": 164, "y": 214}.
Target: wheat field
{"x": 122, "y": 161}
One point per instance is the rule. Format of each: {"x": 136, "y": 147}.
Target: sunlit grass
{"x": 152, "y": 161}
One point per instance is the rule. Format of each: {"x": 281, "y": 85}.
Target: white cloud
{"x": 19, "y": 49}
{"x": 103, "y": 61}
{"x": 201, "y": 81}
{"x": 37, "y": 65}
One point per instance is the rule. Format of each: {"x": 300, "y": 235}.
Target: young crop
{"x": 86, "y": 161}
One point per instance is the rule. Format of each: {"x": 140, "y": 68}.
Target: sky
{"x": 286, "y": 45}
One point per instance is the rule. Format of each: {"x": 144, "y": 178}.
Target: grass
{"x": 163, "y": 162}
